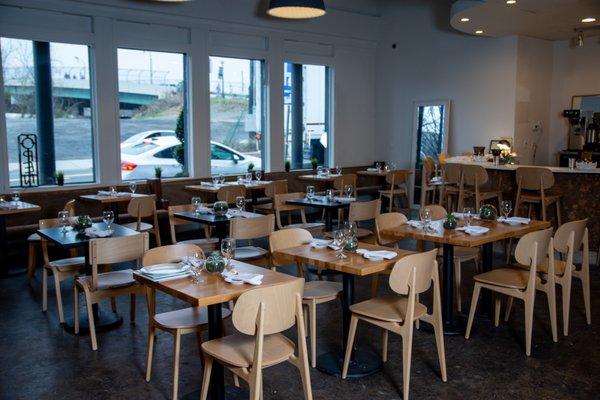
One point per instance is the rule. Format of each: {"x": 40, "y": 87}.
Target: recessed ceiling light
{"x": 479, "y": 32}
{"x": 589, "y": 19}
{"x": 464, "y": 20}
{"x": 511, "y": 2}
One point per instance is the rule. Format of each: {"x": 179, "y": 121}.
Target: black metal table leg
{"x": 114, "y": 207}
{"x": 454, "y": 324}
{"x": 254, "y": 196}
{"x": 221, "y": 231}
{"x": 328, "y": 220}
{"x": 5, "y": 271}
{"x": 363, "y": 363}
{"x": 215, "y": 331}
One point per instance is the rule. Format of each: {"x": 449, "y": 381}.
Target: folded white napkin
{"x": 320, "y": 243}
{"x": 204, "y": 210}
{"x": 415, "y": 224}
{"x": 103, "y": 193}
{"x": 333, "y": 246}
{"x": 461, "y": 216}
{"x": 473, "y": 230}
{"x": 99, "y": 233}
{"x": 238, "y": 279}
{"x": 376, "y": 255}
{"x": 343, "y": 198}
{"x": 161, "y": 271}
{"x": 117, "y": 194}
{"x": 206, "y": 184}
{"x": 372, "y": 169}
{"x": 515, "y": 220}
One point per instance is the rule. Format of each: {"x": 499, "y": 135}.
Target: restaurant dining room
{"x": 299, "y": 199}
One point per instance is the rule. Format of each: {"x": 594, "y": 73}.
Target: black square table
{"x": 73, "y": 240}
{"x": 220, "y": 222}
{"x": 324, "y": 203}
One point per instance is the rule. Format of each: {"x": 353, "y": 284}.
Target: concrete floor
{"x": 39, "y": 360}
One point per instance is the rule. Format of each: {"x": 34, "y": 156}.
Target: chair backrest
{"x": 70, "y": 207}
{"x": 173, "y": 220}
{"x": 437, "y": 211}
{"x": 230, "y": 192}
{"x": 46, "y": 224}
{"x": 169, "y": 254}
{"x": 142, "y": 206}
{"x": 397, "y": 177}
{"x": 277, "y": 307}
{"x": 251, "y": 228}
{"x": 285, "y": 239}
{"x": 343, "y": 180}
{"x": 428, "y": 165}
{"x": 116, "y": 250}
{"x": 474, "y": 174}
{"x": 276, "y": 187}
{"x": 422, "y": 263}
{"x": 442, "y": 158}
{"x": 561, "y": 237}
{"x": 279, "y": 201}
{"x": 364, "y": 210}
{"x": 452, "y": 172}
{"x": 533, "y": 248}
{"x": 534, "y": 178}
{"x": 387, "y": 221}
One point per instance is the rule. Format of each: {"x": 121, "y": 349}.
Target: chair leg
{"x": 208, "y": 362}
{"x": 528, "y": 325}
{"x": 457, "y": 279}
{"x": 497, "y": 305}
{"x": 351, "y": 333}
{"x": 75, "y": 310}
{"x": 406, "y": 359}
{"x": 566, "y": 304}
{"x": 551, "y": 295}
{"x": 176, "y": 347}
{"x": 312, "y": 314}
{"x": 59, "y": 304}
{"x": 474, "y": 300}
{"x": 44, "y": 289}
{"x": 558, "y": 217}
{"x": 374, "y": 285}
{"x": 509, "y": 304}
{"x": 132, "y": 308}
{"x": 31, "y": 256}
{"x": 439, "y": 343}
{"x": 91, "y": 323}
{"x": 585, "y": 283}
{"x": 150, "y": 355}
{"x": 384, "y": 346}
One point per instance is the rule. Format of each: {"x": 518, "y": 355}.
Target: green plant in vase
{"x": 314, "y": 162}
{"x": 288, "y": 166}
{"x": 82, "y": 223}
{"x": 488, "y": 211}
{"x": 250, "y": 167}
{"x": 215, "y": 264}
{"x": 157, "y": 172}
{"x": 60, "y": 178}
{"x": 450, "y": 221}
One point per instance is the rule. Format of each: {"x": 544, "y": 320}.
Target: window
{"x": 237, "y": 115}
{"x": 431, "y": 131}
{"x": 152, "y": 108}
{"x": 307, "y": 116}
{"x": 47, "y": 94}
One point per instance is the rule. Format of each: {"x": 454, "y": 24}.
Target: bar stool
{"x": 398, "y": 181}
{"x": 533, "y": 184}
{"x": 473, "y": 179}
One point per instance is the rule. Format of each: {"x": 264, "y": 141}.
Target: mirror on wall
{"x": 586, "y": 103}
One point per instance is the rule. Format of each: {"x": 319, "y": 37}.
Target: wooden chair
{"x": 315, "y": 292}
{"x": 472, "y": 184}
{"x": 249, "y": 229}
{"x": 281, "y": 207}
{"x": 411, "y": 276}
{"x": 338, "y": 186}
{"x": 364, "y": 211}
{"x": 426, "y": 187}
{"x": 230, "y": 192}
{"x": 34, "y": 240}
{"x": 273, "y": 188}
{"x": 398, "y": 181}
{"x": 450, "y": 189}
{"x": 442, "y": 158}
{"x": 533, "y": 185}
{"x": 533, "y": 250}
{"x": 383, "y": 222}
{"x": 260, "y": 315}
{"x": 208, "y": 244}
{"x": 61, "y": 270}
{"x": 144, "y": 207}
{"x": 100, "y": 286}
{"x": 178, "y": 322}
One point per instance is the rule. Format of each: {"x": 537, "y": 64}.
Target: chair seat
{"x": 505, "y": 277}
{"x": 387, "y": 308}
{"x": 308, "y": 226}
{"x": 388, "y": 193}
{"x": 34, "y": 237}
{"x": 464, "y": 253}
{"x": 209, "y": 244}
{"x": 533, "y": 197}
{"x": 110, "y": 280}
{"x": 559, "y": 267}
{"x": 144, "y": 226}
{"x": 68, "y": 264}
{"x": 321, "y": 289}
{"x": 186, "y": 318}
{"x": 249, "y": 253}
{"x": 238, "y": 349}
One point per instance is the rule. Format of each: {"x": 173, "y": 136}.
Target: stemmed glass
{"x": 329, "y": 194}
{"x": 197, "y": 262}
{"x": 310, "y": 192}
{"x": 468, "y": 214}
{"x": 63, "y": 220}
{"x": 425, "y": 215}
{"x": 351, "y": 228}
{"x": 378, "y": 166}
{"x": 16, "y": 196}
{"x": 108, "y": 217}
{"x": 228, "y": 250}
{"x": 338, "y": 169}
{"x": 319, "y": 171}
{"x": 132, "y": 187}
{"x": 196, "y": 203}
{"x": 339, "y": 237}
{"x": 258, "y": 175}
{"x": 215, "y": 180}
{"x": 240, "y": 202}
{"x": 248, "y": 177}
{"x": 348, "y": 189}
{"x": 221, "y": 179}
{"x": 506, "y": 207}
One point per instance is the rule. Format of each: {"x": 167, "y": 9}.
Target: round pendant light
{"x": 296, "y": 9}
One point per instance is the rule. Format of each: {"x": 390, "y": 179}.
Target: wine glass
{"x": 378, "y": 166}
{"x": 468, "y": 214}
{"x": 319, "y": 171}
{"x": 228, "y": 250}
{"x": 63, "y": 220}
{"x": 339, "y": 237}
{"x": 108, "y": 217}
{"x": 258, "y": 175}
{"x": 240, "y": 202}
{"x": 338, "y": 169}
{"x": 215, "y": 180}
{"x": 221, "y": 179}
{"x": 310, "y": 192}
{"x": 329, "y": 194}
{"x": 113, "y": 191}
{"x": 197, "y": 262}
{"x": 351, "y": 228}
{"x": 248, "y": 177}
{"x": 196, "y": 203}
{"x": 348, "y": 189}
{"x": 132, "y": 186}
{"x": 425, "y": 215}
{"x": 506, "y": 207}
{"x": 16, "y": 196}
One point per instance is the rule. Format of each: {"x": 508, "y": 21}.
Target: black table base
{"x": 106, "y": 321}
{"x": 5, "y": 271}
{"x": 362, "y": 363}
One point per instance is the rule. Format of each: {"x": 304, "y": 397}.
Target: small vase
{"x": 450, "y": 224}
{"x": 215, "y": 265}
{"x": 220, "y": 208}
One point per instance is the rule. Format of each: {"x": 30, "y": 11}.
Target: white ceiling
{"x": 543, "y": 19}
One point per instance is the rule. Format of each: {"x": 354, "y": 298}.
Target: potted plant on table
{"x": 314, "y": 162}
{"x": 60, "y": 178}
{"x": 157, "y": 172}
{"x": 288, "y": 166}
{"x": 251, "y": 167}
{"x": 450, "y": 222}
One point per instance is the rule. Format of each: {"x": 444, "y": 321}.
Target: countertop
{"x": 512, "y": 167}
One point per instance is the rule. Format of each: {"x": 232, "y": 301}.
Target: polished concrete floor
{"x": 40, "y": 360}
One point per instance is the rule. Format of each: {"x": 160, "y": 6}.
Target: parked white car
{"x": 139, "y": 160}
{"x": 140, "y": 137}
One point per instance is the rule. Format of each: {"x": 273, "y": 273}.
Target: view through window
{"x": 306, "y": 114}
{"x": 48, "y": 112}
{"x": 236, "y": 115}
{"x": 152, "y": 109}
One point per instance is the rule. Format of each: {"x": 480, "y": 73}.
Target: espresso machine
{"x": 577, "y": 137}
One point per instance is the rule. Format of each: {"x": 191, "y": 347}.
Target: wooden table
{"x": 212, "y": 293}
{"x": 455, "y": 325}
{"x": 364, "y": 363}
{"x": 253, "y": 187}
{"x": 111, "y": 201}
{"x": 330, "y": 206}
{"x": 72, "y": 240}
{"x": 327, "y": 179}
{"x": 220, "y": 222}
{"x": 8, "y": 208}
{"x": 379, "y": 174}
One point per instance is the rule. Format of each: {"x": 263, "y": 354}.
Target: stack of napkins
{"x": 515, "y": 220}
{"x": 117, "y": 194}
{"x": 377, "y": 255}
{"x": 94, "y": 232}
{"x": 474, "y": 230}
{"x": 163, "y": 272}
{"x": 461, "y": 216}
{"x": 320, "y": 243}
{"x": 344, "y": 198}
{"x": 238, "y": 279}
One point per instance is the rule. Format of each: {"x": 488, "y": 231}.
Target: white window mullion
{"x": 4, "y": 174}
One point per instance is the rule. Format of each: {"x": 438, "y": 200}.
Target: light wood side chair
{"x": 250, "y": 229}
{"x": 207, "y": 243}
{"x": 450, "y": 189}
{"x": 442, "y": 158}
{"x": 338, "y": 186}
{"x": 34, "y": 241}
{"x": 382, "y": 222}
{"x": 260, "y": 315}
{"x": 427, "y": 189}
{"x": 144, "y": 207}
{"x": 100, "y": 286}
{"x": 315, "y": 292}
{"x": 364, "y": 211}
{"x": 61, "y": 270}
{"x": 533, "y": 249}
{"x": 398, "y": 182}
{"x": 281, "y": 207}
{"x": 230, "y": 192}
{"x": 411, "y": 276}
{"x": 273, "y": 188}
{"x": 533, "y": 188}
{"x": 473, "y": 185}
{"x": 178, "y": 322}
